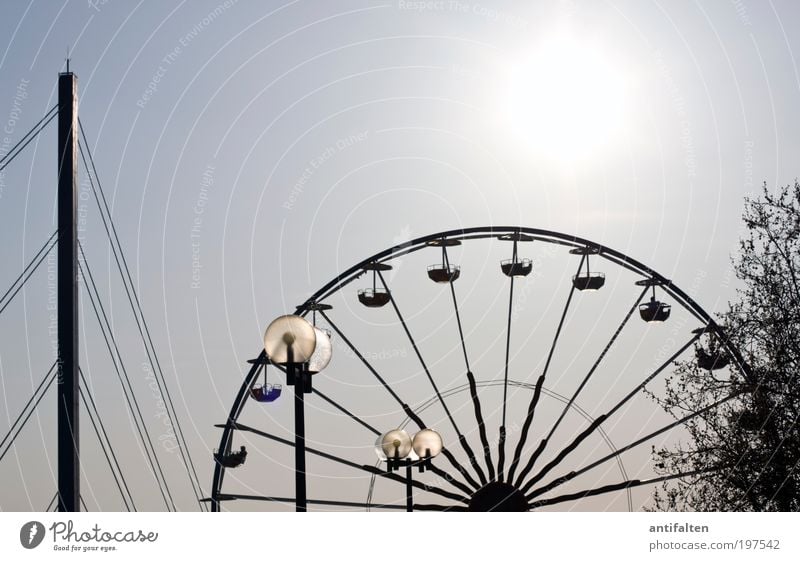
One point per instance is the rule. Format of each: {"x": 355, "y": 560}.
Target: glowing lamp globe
{"x": 289, "y": 339}
{"x": 427, "y": 443}
{"x": 322, "y": 353}
{"x": 395, "y": 444}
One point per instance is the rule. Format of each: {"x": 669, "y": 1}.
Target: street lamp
{"x": 323, "y": 352}
{"x": 398, "y": 449}
{"x": 304, "y": 349}
{"x": 290, "y": 340}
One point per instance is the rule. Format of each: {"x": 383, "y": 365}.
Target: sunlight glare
{"x": 566, "y": 101}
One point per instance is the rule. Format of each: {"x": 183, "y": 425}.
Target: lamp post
{"x": 398, "y": 449}
{"x": 305, "y": 350}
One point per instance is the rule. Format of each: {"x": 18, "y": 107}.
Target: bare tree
{"x": 750, "y": 447}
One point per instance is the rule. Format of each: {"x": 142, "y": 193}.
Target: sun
{"x": 566, "y": 99}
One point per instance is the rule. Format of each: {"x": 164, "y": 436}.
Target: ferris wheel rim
{"x": 578, "y": 245}
{"x": 650, "y": 276}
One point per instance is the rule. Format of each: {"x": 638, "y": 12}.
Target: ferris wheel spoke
{"x": 546, "y": 439}
{"x": 451, "y": 480}
{"x": 438, "y": 471}
{"x": 573, "y": 474}
{"x": 368, "y": 365}
{"x": 355, "y": 418}
{"x": 418, "y": 484}
{"x": 463, "y": 441}
{"x": 523, "y": 439}
{"x": 501, "y": 444}
{"x": 323, "y": 502}
{"x": 476, "y": 402}
{"x": 350, "y": 504}
{"x": 602, "y": 418}
{"x": 354, "y": 465}
{"x": 622, "y": 486}
{"x": 458, "y": 318}
{"x": 655, "y": 373}
{"x": 440, "y": 508}
{"x": 406, "y": 409}
{"x": 461, "y": 469}
{"x": 487, "y": 451}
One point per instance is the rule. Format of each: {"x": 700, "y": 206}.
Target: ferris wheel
{"x": 525, "y": 360}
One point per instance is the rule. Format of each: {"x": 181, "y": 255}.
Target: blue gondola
{"x": 266, "y": 393}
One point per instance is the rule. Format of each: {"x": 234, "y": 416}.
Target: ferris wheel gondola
{"x": 375, "y": 297}
{"x": 516, "y": 267}
{"x": 589, "y": 280}
{"x": 444, "y": 272}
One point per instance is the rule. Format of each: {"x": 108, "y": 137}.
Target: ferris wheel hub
{"x": 498, "y": 497}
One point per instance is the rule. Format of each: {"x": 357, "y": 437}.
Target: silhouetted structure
{"x": 69, "y": 475}
{"x": 444, "y": 272}
{"x": 475, "y": 484}
{"x": 231, "y": 459}
{"x": 374, "y": 297}
{"x": 587, "y": 280}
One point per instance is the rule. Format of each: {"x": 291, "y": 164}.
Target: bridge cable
{"x": 142, "y": 326}
{"x": 91, "y": 402}
{"x": 51, "y": 374}
{"x": 34, "y": 264}
{"x": 16, "y": 149}
{"x": 103, "y": 447}
{"x": 122, "y": 375}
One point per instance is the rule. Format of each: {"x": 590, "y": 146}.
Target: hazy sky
{"x": 252, "y": 150}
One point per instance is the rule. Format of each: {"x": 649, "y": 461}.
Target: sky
{"x": 250, "y": 151}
